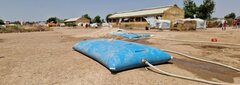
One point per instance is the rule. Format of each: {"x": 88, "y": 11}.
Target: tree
{"x": 107, "y": 17}
{"x": 1, "y": 22}
{"x": 206, "y": 9}
{"x": 16, "y": 22}
{"x": 214, "y": 18}
{"x": 60, "y": 20}
{"x": 231, "y": 15}
{"x": 103, "y": 21}
{"x": 87, "y": 16}
{"x": 97, "y": 19}
{"x": 53, "y": 19}
{"x": 190, "y": 8}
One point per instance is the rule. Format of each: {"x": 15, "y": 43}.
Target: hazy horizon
{"x": 41, "y": 10}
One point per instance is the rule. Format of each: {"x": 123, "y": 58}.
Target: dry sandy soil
{"x": 47, "y": 58}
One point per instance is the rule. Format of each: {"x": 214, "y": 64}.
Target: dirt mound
{"x": 185, "y": 26}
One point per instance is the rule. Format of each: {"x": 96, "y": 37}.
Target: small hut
{"x": 79, "y": 21}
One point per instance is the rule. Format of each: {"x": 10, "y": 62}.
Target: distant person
{"x": 86, "y": 25}
{"x": 224, "y": 24}
{"x": 234, "y": 23}
{"x": 238, "y": 23}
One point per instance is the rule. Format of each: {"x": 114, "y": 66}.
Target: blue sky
{"x": 40, "y": 10}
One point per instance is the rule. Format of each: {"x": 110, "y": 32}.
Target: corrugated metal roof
{"x": 72, "y": 19}
{"x": 142, "y": 12}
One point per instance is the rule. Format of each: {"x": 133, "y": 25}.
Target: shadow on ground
{"x": 207, "y": 71}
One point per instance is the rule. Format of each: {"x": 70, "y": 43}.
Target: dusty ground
{"x": 46, "y": 58}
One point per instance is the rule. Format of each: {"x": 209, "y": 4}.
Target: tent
{"x": 158, "y": 23}
{"x": 163, "y": 24}
{"x": 151, "y": 21}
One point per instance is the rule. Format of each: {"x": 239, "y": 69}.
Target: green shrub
{"x": 10, "y": 29}
{"x": 126, "y": 25}
{"x": 229, "y": 22}
{"x": 1, "y": 22}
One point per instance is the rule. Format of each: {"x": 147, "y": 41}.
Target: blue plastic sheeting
{"x": 128, "y": 35}
{"x": 133, "y": 35}
{"x": 119, "y": 55}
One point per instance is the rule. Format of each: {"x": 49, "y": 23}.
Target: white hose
{"x": 185, "y": 77}
{"x": 221, "y": 43}
{"x": 195, "y": 58}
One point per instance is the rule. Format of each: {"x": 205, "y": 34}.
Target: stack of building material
{"x": 182, "y": 25}
{"x": 189, "y": 25}
{"x": 212, "y": 24}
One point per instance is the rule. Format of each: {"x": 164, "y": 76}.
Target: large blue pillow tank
{"x": 128, "y": 35}
{"x": 118, "y": 55}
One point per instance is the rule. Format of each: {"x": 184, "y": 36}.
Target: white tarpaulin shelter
{"x": 164, "y": 24}
{"x": 201, "y": 24}
{"x": 151, "y": 21}
{"x": 158, "y": 23}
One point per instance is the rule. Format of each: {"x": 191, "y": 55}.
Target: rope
{"x": 220, "y": 43}
{"x": 185, "y": 77}
{"x": 191, "y": 57}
